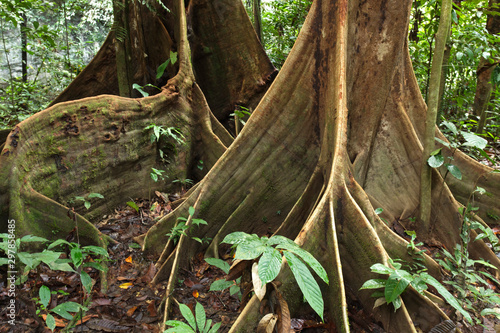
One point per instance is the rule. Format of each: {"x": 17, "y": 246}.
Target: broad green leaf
{"x": 374, "y": 284}
{"x": 26, "y": 259}
{"x": 86, "y": 281}
{"x": 215, "y": 328}
{"x": 397, "y": 303}
{"x": 221, "y": 284}
{"x": 249, "y": 250}
{"x": 60, "y": 266}
{"x": 207, "y": 326}
{"x": 76, "y": 256}
{"x": 219, "y": 263}
{"x": 188, "y": 315}
{"x": 4, "y": 261}
{"x": 154, "y": 176}
{"x": 396, "y": 285}
{"x": 63, "y": 309}
{"x": 50, "y": 321}
{"x": 31, "y": 238}
{"x": 278, "y": 240}
{"x": 451, "y": 126}
{"x": 133, "y": 205}
{"x": 489, "y": 311}
{"x": 446, "y": 295}
{"x": 472, "y": 140}
{"x": 269, "y": 265}
{"x": 444, "y": 143}
{"x": 435, "y": 152}
{"x": 96, "y": 195}
{"x": 308, "y": 258}
{"x": 201, "y": 317}
{"x": 239, "y": 237}
{"x": 139, "y": 88}
{"x": 178, "y": 327}
{"x": 234, "y": 289}
{"x": 87, "y": 204}
{"x": 173, "y": 57}
{"x": 96, "y": 250}
{"x": 455, "y": 171}
{"x": 459, "y": 55}
{"x": 191, "y": 210}
{"x": 378, "y": 211}
{"x": 94, "y": 265}
{"x": 435, "y": 161}
{"x": 47, "y": 256}
{"x": 306, "y": 282}
{"x": 44, "y": 294}
{"x": 161, "y": 69}
{"x": 381, "y": 269}
{"x": 58, "y": 242}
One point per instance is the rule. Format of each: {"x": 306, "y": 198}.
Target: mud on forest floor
{"x": 132, "y": 303}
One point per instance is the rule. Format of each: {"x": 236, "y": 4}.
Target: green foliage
{"x": 140, "y": 88}
{"x": 133, "y": 205}
{"x": 181, "y": 227}
{"x": 171, "y": 60}
{"x": 399, "y": 280}
{"x": 470, "y": 281}
{"x": 197, "y": 322}
{"x": 156, "y": 174}
{"x": 250, "y": 247}
{"x": 85, "y": 200}
{"x": 61, "y": 37}
{"x": 222, "y": 284}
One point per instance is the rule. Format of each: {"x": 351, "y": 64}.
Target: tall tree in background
{"x": 338, "y": 133}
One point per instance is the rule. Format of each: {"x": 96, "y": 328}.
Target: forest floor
{"x": 132, "y": 304}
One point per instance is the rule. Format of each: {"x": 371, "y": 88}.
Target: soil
{"x": 132, "y": 304}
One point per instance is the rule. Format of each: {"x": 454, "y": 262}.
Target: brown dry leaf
{"x": 267, "y": 323}
{"x": 129, "y": 259}
{"x": 148, "y": 277}
{"x": 258, "y": 287}
{"x": 152, "y": 309}
{"x": 59, "y": 322}
{"x": 131, "y": 311}
{"x": 284, "y": 320}
{"x": 237, "y": 269}
{"x": 86, "y": 318}
{"x": 101, "y": 301}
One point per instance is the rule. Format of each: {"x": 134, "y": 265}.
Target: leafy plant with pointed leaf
{"x": 171, "y": 60}
{"x": 266, "y": 269}
{"x": 219, "y": 285}
{"x": 399, "y": 280}
{"x": 86, "y": 201}
{"x": 437, "y": 159}
{"x": 195, "y": 322}
{"x": 180, "y": 228}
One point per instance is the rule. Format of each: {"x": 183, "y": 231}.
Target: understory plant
{"x": 181, "y": 228}
{"x": 75, "y": 262}
{"x": 197, "y": 322}
{"x": 269, "y": 252}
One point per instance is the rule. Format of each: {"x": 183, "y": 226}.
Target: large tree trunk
{"x": 338, "y": 134}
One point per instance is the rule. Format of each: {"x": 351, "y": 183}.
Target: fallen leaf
{"x": 152, "y": 309}
{"x": 131, "y": 311}
{"x": 196, "y": 293}
{"x": 101, "y": 301}
{"x": 126, "y": 285}
{"x": 59, "y": 322}
{"x": 150, "y": 274}
{"x": 129, "y": 259}
{"x": 86, "y": 318}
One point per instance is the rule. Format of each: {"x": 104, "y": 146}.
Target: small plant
{"x": 171, "y": 60}
{"x": 181, "y": 227}
{"x": 197, "y": 322}
{"x": 270, "y": 250}
{"x": 399, "y": 280}
{"x": 436, "y": 159}
{"x": 222, "y": 284}
{"x": 239, "y": 114}
{"x": 156, "y": 174}
{"x": 159, "y": 131}
{"x": 184, "y": 183}
{"x": 86, "y": 201}
{"x": 140, "y": 88}
{"x": 471, "y": 282}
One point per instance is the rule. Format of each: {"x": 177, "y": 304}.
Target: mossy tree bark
{"x": 338, "y": 134}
